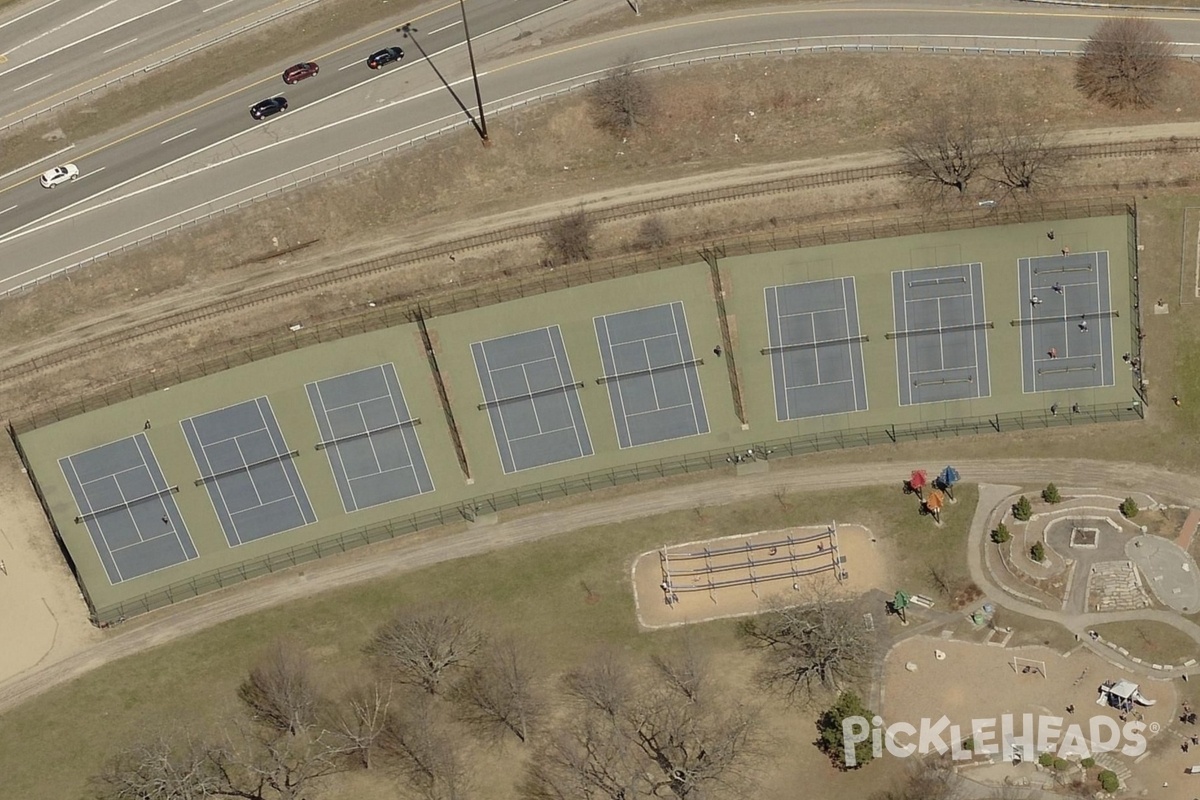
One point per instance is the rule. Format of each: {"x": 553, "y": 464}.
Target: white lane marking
{"x": 118, "y": 47}
{"x": 92, "y": 36}
{"x": 358, "y": 63}
{"x": 93, "y": 172}
{"x": 29, "y": 13}
{"x": 218, "y": 5}
{"x": 5, "y": 211}
{"x": 178, "y": 136}
{"x": 32, "y": 82}
{"x": 62, "y": 25}
{"x": 10, "y": 173}
{"x": 444, "y": 27}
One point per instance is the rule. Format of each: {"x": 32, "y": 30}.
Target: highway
{"x": 214, "y": 155}
{"x": 49, "y": 46}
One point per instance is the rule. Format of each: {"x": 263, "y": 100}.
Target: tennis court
{"x": 651, "y": 373}
{"x": 940, "y": 334}
{"x": 128, "y": 508}
{"x": 532, "y": 399}
{"x": 1066, "y": 320}
{"x": 246, "y": 467}
{"x": 815, "y": 344}
{"x": 369, "y": 437}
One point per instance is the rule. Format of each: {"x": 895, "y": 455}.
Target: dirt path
{"x": 372, "y": 563}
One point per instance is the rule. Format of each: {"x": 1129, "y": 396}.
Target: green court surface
{"x": 555, "y": 426}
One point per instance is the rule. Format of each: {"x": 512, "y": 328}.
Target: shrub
{"x": 1061, "y": 764}
{"x": 1125, "y": 63}
{"x": 1046, "y": 759}
{"x": 833, "y": 741}
{"x": 652, "y": 234}
{"x": 1109, "y": 781}
{"x": 1129, "y": 508}
{"x": 1038, "y": 552}
{"x": 1001, "y": 534}
{"x": 1050, "y": 494}
{"x": 1088, "y": 763}
{"x": 569, "y": 238}
{"x": 968, "y": 743}
{"x": 1022, "y": 509}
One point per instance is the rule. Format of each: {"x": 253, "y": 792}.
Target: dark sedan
{"x": 265, "y": 108}
{"x": 385, "y": 56}
{"x": 299, "y": 72}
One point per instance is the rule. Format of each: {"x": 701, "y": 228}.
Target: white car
{"x": 53, "y": 177}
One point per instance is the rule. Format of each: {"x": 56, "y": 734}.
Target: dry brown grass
{"x": 802, "y": 108}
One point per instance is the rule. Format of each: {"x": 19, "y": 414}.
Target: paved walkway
{"x": 1189, "y": 529}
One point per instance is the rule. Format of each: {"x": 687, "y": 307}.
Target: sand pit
{"x": 978, "y": 681}
{"x": 734, "y": 576}
{"x": 44, "y": 619}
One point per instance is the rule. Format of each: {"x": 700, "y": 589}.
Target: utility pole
{"x": 474, "y": 75}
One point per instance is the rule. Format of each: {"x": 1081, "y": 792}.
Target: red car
{"x": 300, "y": 72}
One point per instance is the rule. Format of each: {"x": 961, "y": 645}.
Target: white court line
{"x": 32, "y": 82}
{"x": 5, "y": 211}
{"x": 179, "y": 136}
{"x": 92, "y": 36}
{"x": 118, "y": 47}
{"x": 444, "y": 27}
{"x": 218, "y": 5}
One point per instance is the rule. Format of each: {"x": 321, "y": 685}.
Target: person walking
{"x": 1035, "y": 300}
{"x": 1058, "y": 289}
{"x": 1052, "y": 352}
{"x": 1050, "y": 235}
{"x": 1083, "y": 326}
{"x": 717, "y": 351}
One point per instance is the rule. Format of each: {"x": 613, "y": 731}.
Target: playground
{"x": 981, "y": 681}
{"x": 738, "y": 575}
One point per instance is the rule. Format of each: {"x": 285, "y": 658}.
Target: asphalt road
{"x": 49, "y": 46}
{"x": 214, "y": 155}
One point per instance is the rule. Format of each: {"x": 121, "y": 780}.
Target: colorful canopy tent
{"x": 917, "y": 482}
{"x": 947, "y": 480}
{"x": 1122, "y": 695}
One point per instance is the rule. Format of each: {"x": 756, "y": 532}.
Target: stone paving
{"x": 1115, "y": 586}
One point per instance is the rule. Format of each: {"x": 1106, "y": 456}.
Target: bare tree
{"x": 1125, "y": 63}
{"x": 501, "y": 693}
{"x": 652, "y": 234}
{"x": 685, "y": 670}
{"x": 280, "y": 691}
{"x": 818, "y": 647}
{"x": 605, "y": 683}
{"x": 652, "y": 734}
{"x": 1025, "y": 156}
{"x": 622, "y": 101}
{"x": 422, "y": 647}
{"x": 425, "y": 749}
{"x": 569, "y": 238}
{"x": 360, "y": 717}
{"x": 268, "y": 764}
{"x": 945, "y": 148}
{"x": 165, "y": 767}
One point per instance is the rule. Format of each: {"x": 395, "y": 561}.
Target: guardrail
{"x": 161, "y": 63}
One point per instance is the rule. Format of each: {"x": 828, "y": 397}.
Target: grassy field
{"x": 1150, "y": 641}
{"x": 540, "y": 590}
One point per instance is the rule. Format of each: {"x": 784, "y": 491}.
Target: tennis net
{"x": 972, "y": 326}
{"x": 649, "y": 371}
{"x": 1066, "y": 318}
{"x": 500, "y": 401}
{"x": 784, "y": 348}
{"x": 407, "y": 423}
{"x": 127, "y": 504}
{"x": 246, "y": 467}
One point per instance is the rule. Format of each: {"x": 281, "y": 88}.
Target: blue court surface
{"x": 941, "y": 334}
{"x": 815, "y": 343}
{"x": 650, "y": 370}
{"x": 369, "y": 437}
{"x": 1066, "y": 323}
{"x": 128, "y": 508}
{"x": 247, "y": 469}
{"x": 532, "y": 399}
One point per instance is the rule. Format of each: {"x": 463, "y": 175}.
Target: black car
{"x": 385, "y": 56}
{"x": 265, "y": 108}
